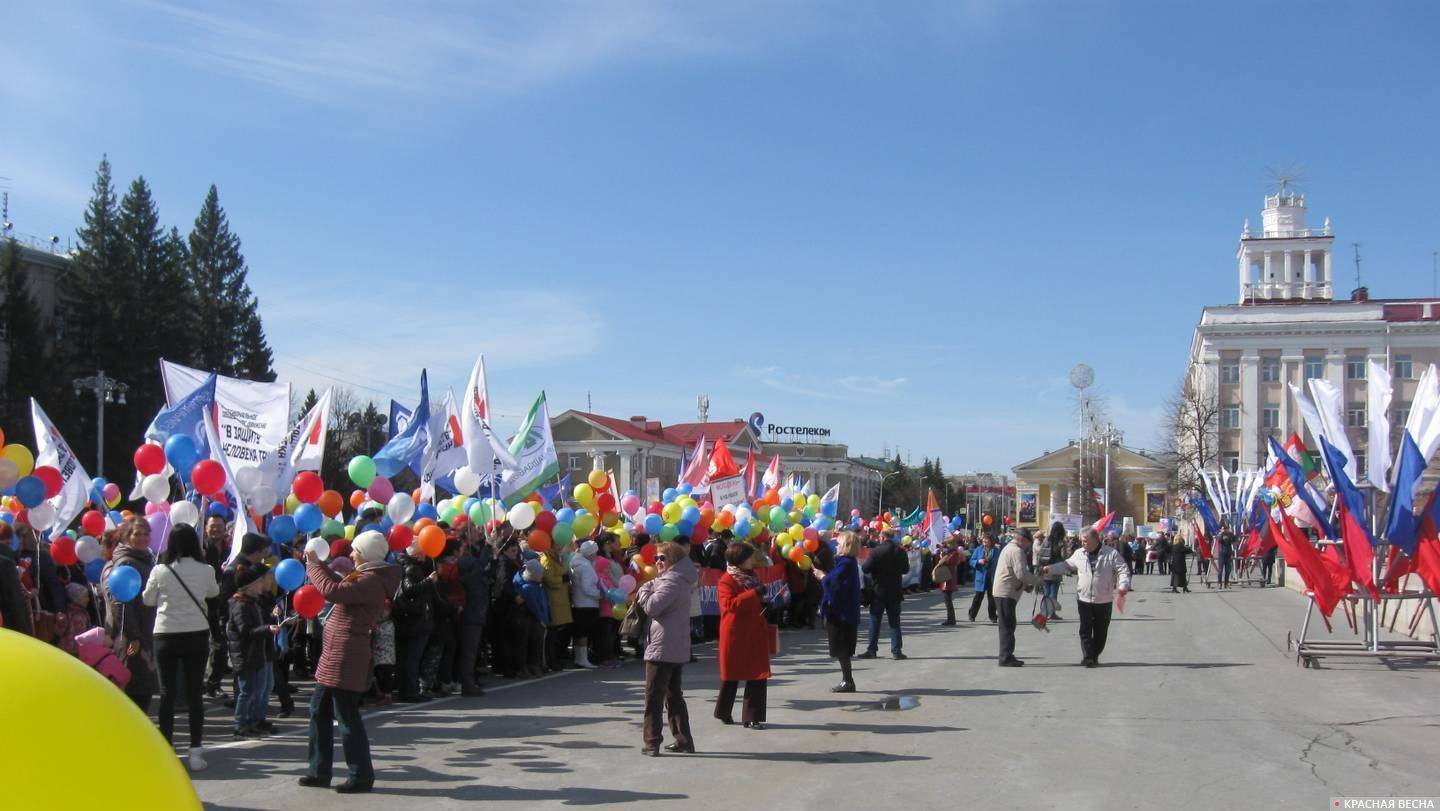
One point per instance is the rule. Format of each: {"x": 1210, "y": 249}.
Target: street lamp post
{"x": 880, "y": 507}
{"x": 106, "y": 390}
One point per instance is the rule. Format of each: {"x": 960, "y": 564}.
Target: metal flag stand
{"x": 1371, "y": 614}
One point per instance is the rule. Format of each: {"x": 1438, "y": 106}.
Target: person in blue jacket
{"x": 982, "y": 563}
{"x": 840, "y": 606}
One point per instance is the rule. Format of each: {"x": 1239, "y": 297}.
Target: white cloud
{"x": 339, "y": 52}
{"x": 862, "y": 384}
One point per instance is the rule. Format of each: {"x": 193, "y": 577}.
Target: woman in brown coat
{"x": 344, "y": 671}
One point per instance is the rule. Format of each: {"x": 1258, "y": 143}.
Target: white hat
{"x": 371, "y": 545}
{"x": 589, "y": 549}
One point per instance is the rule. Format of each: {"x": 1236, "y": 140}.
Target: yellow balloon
{"x": 585, "y": 494}
{"x": 22, "y": 457}
{"x": 813, "y": 501}
{"x": 598, "y": 479}
{"x": 672, "y": 512}
{"x": 349, "y": 532}
{"x": 48, "y": 696}
{"x": 292, "y": 503}
{"x": 804, "y": 564}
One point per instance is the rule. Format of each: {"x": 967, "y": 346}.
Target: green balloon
{"x": 477, "y": 514}
{"x": 332, "y": 529}
{"x": 562, "y": 534}
{"x": 362, "y": 471}
{"x": 669, "y": 532}
{"x": 584, "y": 525}
{"x": 778, "y": 514}
{"x": 449, "y": 515}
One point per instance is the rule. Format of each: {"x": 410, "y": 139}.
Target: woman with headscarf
{"x": 744, "y": 638}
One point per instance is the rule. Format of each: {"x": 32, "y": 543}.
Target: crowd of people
{"x": 403, "y": 626}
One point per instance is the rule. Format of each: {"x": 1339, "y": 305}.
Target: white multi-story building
{"x": 1288, "y": 327}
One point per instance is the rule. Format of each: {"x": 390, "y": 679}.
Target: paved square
{"x": 1198, "y": 705}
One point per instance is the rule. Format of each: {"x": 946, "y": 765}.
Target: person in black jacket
{"x": 475, "y": 577}
{"x": 1177, "y": 552}
{"x": 886, "y": 566}
{"x": 250, "y": 638}
{"x": 14, "y": 611}
{"x": 414, "y": 612}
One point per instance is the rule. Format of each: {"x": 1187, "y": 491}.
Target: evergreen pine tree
{"x": 91, "y": 335}
{"x": 231, "y": 339}
{"x": 22, "y": 342}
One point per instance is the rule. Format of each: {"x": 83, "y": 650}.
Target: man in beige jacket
{"x": 1012, "y": 577}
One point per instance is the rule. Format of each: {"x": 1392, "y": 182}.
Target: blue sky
{"x": 902, "y": 221}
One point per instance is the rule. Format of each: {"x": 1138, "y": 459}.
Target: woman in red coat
{"x": 951, "y": 560}
{"x": 744, "y": 638}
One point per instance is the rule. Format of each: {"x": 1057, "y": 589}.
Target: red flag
{"x": 1427, "y": 548}
{"x": 1336, "y": 568}
{"x": 1099, "y": 526}
{"x": 694, "y": 473}
{"x": 1306, "y": 560}
{"x": 1397, "y": 565}
{"x": 1202, "y": 544}
{"x": 1359, "y": 557}
{"x": 750, "y": 473}
{"x": 722, "y": 464}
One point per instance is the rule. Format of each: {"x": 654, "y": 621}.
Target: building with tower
{"x": 1288, "y": 326}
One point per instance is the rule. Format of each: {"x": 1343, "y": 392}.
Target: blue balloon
{"x": 31, "y": 491}
{"x": 308, "y": 518}
{"x": 116, "y": 518}
{"x": 123, "y": 583}
{"x": 7, "y": 517}
{"x": 282, "y": 528}
{"x": 218, "y": 508}
{"x": 290, "y": 574}
{"x": 742, "y": 528}
{"x": 669, "y": 495}
{"x": 691, "y": 514}
{"x": 787, "y": 504}
{"x": 181, "y": 453}
{"x": 653, "y": 524}
{"x": 685, "y": 488}
{"x": 386, "y": 524}
{"x": 93, "y": 570}
{"x": 830, "y": 508}
{"x": 686, "y": 527}
{"x": 565, "y": 515}
{"x": 426, "y": 510}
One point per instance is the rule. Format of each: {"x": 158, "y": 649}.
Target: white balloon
{"x": 263, "y": 499}
{"x": 400, "y": 508}
{"x": 522, "y": 515}
{"x": 184, "y": 512}
{"x": 155, "y": 488}
{"x": 467, "y": 481}
{"x": 319, "y": 547}
{"x": 42, "y": 515}
{"x": 247, "y": 479}
{"x": 87, "y": 549}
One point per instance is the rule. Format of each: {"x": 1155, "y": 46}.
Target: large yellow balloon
{"x": 598, "y": 480}
{"x": 50, "y": 698}
{"x": 22, "y": 457}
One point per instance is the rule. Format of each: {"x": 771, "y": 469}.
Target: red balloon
{"x": 208, "y": 477}
{"x": 149, "y": 459}
{"x": 539, "y": 541}
{"x": 699, "y": 533}
{"x": 605, "y": 503}
{"x": 308, "y": 601}
{"x": 655, "y": 508}
{"x": 308, "y": 487}
{"x": 545, "y": 522}
{"x": 62, "y": 551}
{"x": 51, "y": 477}
{"x": 647, "y": 553}
{"x": 400, "y": 537}
{"x": 93, "y": 522}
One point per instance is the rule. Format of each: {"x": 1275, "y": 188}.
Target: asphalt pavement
{"x": 1198, "y": 704}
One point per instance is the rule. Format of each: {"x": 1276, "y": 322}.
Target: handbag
{"x": 48, "y": 625}
{"x": 634, "y": 619}
{"x": 940, "y": 573}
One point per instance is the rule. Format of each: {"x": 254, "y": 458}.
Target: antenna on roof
{"x": 589, "y": 407}
{"x": 1357, "y": 245}
{"x": 702, "y": 406}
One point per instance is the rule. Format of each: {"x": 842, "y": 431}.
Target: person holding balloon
{"x": 177, "y": 587}
{"x": 344, "y": 671}
{"x": 129, "y": 621}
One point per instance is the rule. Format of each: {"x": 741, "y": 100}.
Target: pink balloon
{"x": 111, "y": 491}
{"x": 630, "y": 504}
{"x": 381, "y": 489}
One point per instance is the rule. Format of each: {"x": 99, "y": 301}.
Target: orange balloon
{"x": 357, "y": 497}
{"x": 415, "y": 495}
{"x": 330, "y": 503}
{"x": 797, "y": 552}
{"x": 727, "y": 520}
{"x": 707, "y": 517}
{"x": 432, "y": 541}
{"x": 423, "y": 523}
{"x": 811, "y": 545}
{"x": 539, "y": 541}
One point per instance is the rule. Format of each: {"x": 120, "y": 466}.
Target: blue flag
{"x": 554, "y": 493}
{"x": 1212, "y": 526}
{"x": 1402, "y": 529}
{"x": 186, "y": 417}
{"x": 399, "y": 417}
{"x": 407, "y": 447}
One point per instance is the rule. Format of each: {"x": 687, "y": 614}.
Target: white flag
{"x": 445, "y": 451}
{"x": 242, "y": 514}
{"x": 1377, "y": 385}
{"x": 1424, "y": 423}
{"x": 303, "y": 448}
{"x": 53, "y": 451}
{"x": 1330, "y": 406}
{"x": 484, "y": 452}
{"x": 534, "y": 451}
{"x": 252, "y": 416}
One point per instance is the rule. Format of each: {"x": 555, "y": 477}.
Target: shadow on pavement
{"x": 479, "y": 792}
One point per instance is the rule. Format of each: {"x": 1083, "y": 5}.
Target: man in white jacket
{"x": 1102, "y": 575}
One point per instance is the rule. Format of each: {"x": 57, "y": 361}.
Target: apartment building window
{"x": 1354, "y": 367}
{"x": 1270, "y": 418}
{"x": 1355, "y": 417}
{"x": 1314, "y": 367}
{"x": 1229, "y": 371}
{"x": 1270, "y": 370}
{"x": 575, "y": 461}
{"x": 1230, "y": 416}
{"x": 1360, "y": 465}
{"x": 1402, "y": 416}
{"x": 1230, "y": 460}
{"x": 1404, "y": 367}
